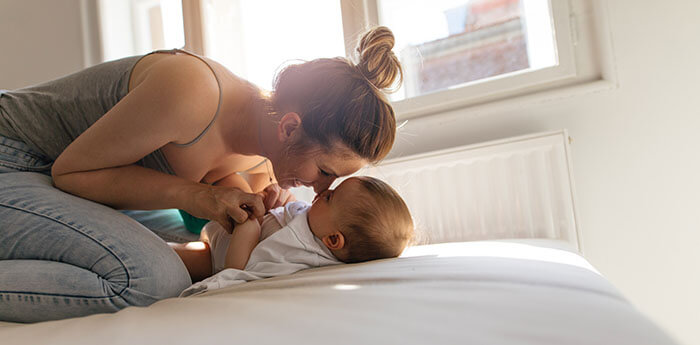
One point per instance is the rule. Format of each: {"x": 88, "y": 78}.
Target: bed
{"x": 463, "y": 284}
{"x": 482, "y": 292}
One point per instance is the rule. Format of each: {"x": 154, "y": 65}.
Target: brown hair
{"x": 342, "y": 102}
{"x": 377, "y": 225}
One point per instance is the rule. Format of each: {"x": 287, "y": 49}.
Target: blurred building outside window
{"x": 460, "y": 41}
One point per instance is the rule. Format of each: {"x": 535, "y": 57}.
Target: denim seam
{"x": 9, "y": 148}
{"x": 128, "y": 276}
{"x": 24, "y": 168}
{"x": 53, "y": 295}
{"x": 13, "y": 152}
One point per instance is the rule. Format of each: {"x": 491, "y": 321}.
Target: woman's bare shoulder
{"x": 164, "y": 66}
{"x": 181, "y": 88}
{"x": 176, "y": 72}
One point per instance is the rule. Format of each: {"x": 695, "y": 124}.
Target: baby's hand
{"x": 274, "y": 196}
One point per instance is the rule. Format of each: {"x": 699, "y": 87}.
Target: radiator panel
{"x": 514, "y": 188}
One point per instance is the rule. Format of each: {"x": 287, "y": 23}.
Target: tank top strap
{"x": 218, "y": 82}
{"x": 255, "y": 166}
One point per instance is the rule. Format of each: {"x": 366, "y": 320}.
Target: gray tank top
{"x": 49, "y": 116}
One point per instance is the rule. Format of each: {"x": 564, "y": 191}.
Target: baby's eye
{"x": 327, "y": 196}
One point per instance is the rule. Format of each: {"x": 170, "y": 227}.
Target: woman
{"x": 166, "y": 130}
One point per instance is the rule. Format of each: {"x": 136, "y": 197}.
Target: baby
{"x": 362, "y": 219}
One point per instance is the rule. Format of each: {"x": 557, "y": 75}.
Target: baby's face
{"x": 330, "y": 204}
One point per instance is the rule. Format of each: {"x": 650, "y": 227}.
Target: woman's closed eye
{"x": 324, "y": 173}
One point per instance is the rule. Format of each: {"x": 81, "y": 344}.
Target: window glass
{"x": 255, "y": 38}
{"x": 444, "y": 44}
{"x": 139, "y": 26}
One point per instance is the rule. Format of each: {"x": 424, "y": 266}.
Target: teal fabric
{"x": 192, "y": 223}
{"x": 167, "y": 224}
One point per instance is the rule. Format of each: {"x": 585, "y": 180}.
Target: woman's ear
{"x": 287, "y": 125}
{"x": 334, "y": 241}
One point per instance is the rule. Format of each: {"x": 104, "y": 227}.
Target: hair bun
{"x": 377, "y": 62}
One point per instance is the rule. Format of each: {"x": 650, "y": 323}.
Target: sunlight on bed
{"x": 500, "y": 249}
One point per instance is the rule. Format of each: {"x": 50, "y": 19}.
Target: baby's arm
{"x": 243, "y": 240}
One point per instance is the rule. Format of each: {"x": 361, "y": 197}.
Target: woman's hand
{"x": 274, "y": 196}
{"x": 226, "y": 205}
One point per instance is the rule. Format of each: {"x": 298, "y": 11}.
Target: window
{"x": 479, "y": 51}
{"x": 462, "y": 41}
{"x": 139, "y": 26}
{"x": 256, "y": 38}
{"x": 456, "y": 53}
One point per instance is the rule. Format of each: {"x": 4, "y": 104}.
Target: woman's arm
{"x": 171, "y": 104}
{"x": 243, "y": 240}
{"x": 100, "y": 164}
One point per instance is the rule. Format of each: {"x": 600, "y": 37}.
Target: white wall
{"x": 636, "y": 157}
{"x": 40, "y": 40}
{"x": 635, "y": 149}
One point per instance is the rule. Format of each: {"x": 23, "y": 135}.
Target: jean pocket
{"x": 17, "y": 156}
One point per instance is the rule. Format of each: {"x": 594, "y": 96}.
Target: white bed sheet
{"x": 489, "y": 292}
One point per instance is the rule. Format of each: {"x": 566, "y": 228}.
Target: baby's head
{"x": 362, "y": 219}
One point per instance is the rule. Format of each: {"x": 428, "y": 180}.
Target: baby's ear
{"x": 334, "y": 241}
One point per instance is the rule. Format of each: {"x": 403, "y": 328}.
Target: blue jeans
{"x": 63, "y": 256}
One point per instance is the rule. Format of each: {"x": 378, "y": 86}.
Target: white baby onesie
{"x": 285, "y": 248}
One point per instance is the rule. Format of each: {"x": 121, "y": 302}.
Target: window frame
{"x": 577, "y": 65}
{"x": 365, "y": 13}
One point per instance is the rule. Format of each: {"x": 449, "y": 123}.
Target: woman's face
{"x": 316, "y": 168}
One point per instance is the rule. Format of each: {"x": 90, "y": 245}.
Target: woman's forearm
{"x": 131, "y": 187}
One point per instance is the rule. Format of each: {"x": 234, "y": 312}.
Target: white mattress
{"x": 490, "y": 292}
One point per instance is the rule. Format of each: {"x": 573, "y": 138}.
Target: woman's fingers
{"x": 237, "y": 206}
{"x": 238, "y": 214}
{"x": 253, "y": 204}
{"x": 226, "y": 223}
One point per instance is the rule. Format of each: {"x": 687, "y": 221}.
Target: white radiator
{"x": 519, "y": 187}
